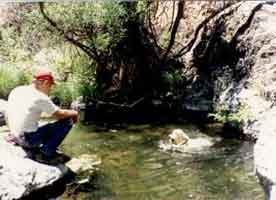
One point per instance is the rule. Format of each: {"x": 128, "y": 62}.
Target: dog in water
{"x": 178, "y": 137}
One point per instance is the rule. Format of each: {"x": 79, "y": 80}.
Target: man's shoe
{"x": 42, "y": 158}
{"x": 62, "y": 156}
{"x": 59, "y": 153}
{"x": 49, "y": 160}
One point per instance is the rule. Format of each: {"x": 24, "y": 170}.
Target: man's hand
{"x": 65, "y": 113}
{"x": 75, "y": 118}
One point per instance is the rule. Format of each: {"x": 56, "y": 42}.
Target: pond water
{"x": 135, "y": 168}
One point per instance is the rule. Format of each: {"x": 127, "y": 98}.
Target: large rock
{"x": 265, "y": 162}
{"x": 256, "y": 90}
{"x": 240, "y": 71}
{"x": 3, "y": 108}
{"x": 84, "y": 163}
{"x": 20, "y": 176}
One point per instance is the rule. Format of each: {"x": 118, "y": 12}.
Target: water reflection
{"x": 134, "y": 168}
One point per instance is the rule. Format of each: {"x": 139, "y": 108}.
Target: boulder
{"x": 20, "y": 176}
{"x": 84, "y": 163}
{"x": 265, "y": 162}
{"x": 3, "y": 108}
{"x": 264, "y": 151}
{"x": 233, "y": 65}
{"x": 253, "y": 86}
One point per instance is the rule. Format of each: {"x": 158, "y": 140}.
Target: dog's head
{"x": 178, "y": 137}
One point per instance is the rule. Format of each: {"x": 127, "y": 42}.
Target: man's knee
{"x": 67, "y": 122}
{"x": 62, "y": 127}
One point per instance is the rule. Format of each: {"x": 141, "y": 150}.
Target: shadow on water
{"x": 134, "y": 168}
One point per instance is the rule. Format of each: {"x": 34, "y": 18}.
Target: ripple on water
{"x": 134, "y": 168}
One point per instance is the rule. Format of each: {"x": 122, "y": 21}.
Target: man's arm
{"x": 65, "y": 113}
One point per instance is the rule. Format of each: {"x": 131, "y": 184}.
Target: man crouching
{"x": 25, "y": 106}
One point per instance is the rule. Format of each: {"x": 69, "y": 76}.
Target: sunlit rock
{"x": 265, "y": 162}
{"x": 20, "y": 176}
{"x": 84, "y": 162}
{"x": 3, "y": 105}
{"x": 3, "y": 108}
{"x": 245, "y": 86}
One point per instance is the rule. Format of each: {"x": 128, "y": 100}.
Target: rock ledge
{"x": 20, "y": 176}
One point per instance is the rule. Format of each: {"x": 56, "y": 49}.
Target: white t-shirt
{"x": 25, "y": 105}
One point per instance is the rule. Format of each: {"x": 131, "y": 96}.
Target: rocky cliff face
{"x": 235, "y": 58}
{"x": 235, "y": 64}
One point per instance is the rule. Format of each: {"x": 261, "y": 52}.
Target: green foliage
{"x": 10, "y": 47}
{"x": 172, "y": 82}
{"x": 165, "y": 39}
{"x": 87, "y": 92}
{"x": 76, "y": 75}
{"x": 99, "y": 25}
{"x": 83, "y": 75}
{"x": 66, "y": 92}
{"x": 141, "y": 6}
{"x": 223, "y": 115}
{"x": 10, "y": 77}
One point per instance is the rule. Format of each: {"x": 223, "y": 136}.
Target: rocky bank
{"x": 234, "y": 68}
{"x": 20, "y": 176}
{"x": 23, "y": 178}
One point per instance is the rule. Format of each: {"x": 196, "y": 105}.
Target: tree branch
{"x": 124, "y": 105}
{"x": 152, "y": 33}
{"x": 190, "y": 44}
{"x": 174, "y": 28}
{"x": 246, "y": 25}
{"x": 91, "y": 52}
{"x": 173, "y": 10}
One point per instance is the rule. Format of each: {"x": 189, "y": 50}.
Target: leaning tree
{"x": 122, "y": 41}
{"x": 131, "y": 46}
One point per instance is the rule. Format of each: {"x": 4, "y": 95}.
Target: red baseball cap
{"x": 44, "y": 74}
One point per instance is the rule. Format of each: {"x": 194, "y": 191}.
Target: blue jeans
{"x": 49, "y": 136}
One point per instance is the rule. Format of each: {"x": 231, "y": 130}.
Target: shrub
{"x": 10, "y": 77}
{"x": 66, "y": 93}
{"x": 224, "y": 115}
